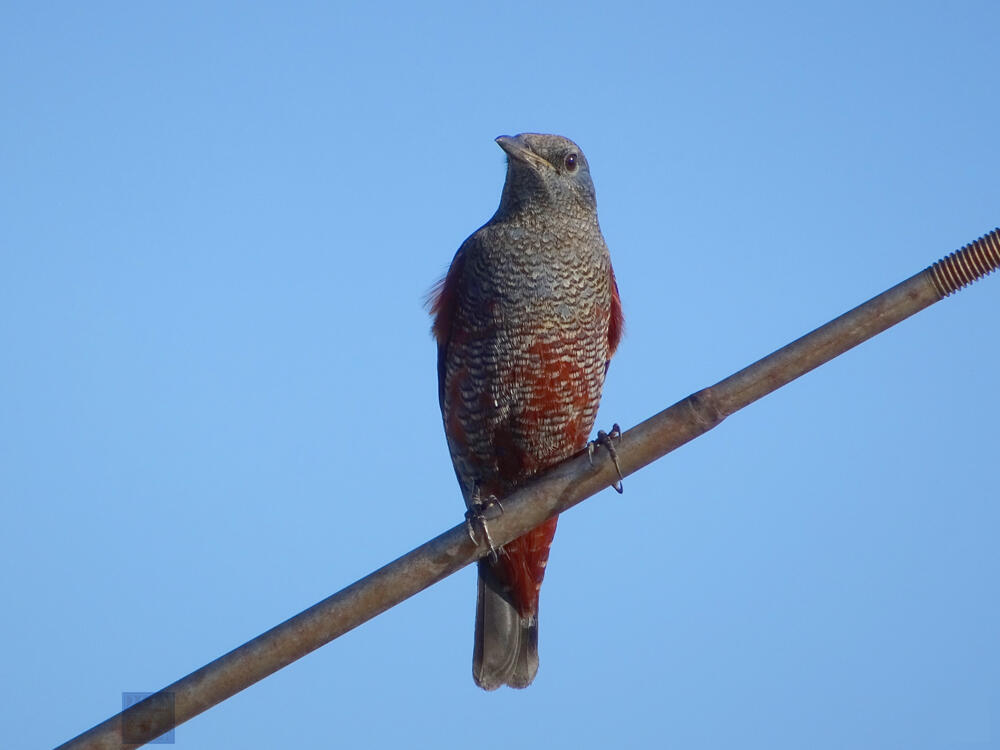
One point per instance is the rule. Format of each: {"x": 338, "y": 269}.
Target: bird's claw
{"x": 608, "y": 440}
{"x": 476, "y": 516}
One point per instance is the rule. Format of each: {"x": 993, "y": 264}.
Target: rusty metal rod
{"x": 557, "y": 490}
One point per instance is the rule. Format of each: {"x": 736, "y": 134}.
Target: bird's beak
{"x": 518, "y": 149}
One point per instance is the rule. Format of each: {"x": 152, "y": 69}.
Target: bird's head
{"x": 545, "y": 169}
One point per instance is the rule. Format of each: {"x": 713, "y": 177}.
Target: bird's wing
{"x": 441, "y": 301}
{"x": 616, "y": 323}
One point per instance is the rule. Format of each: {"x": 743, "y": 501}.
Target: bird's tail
{"x": 506, "y": 645}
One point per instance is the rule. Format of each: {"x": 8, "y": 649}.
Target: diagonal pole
{"x": 555, "y": 491}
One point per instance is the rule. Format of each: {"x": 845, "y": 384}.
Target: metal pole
{"x": 556, "y": 491}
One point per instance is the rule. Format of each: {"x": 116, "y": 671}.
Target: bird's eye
{"x": 571, "y": 162}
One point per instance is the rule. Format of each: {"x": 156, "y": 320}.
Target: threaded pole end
{"x": 962, "y": 267}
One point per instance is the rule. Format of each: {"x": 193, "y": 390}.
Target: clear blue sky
{"x": 218, "y": 390}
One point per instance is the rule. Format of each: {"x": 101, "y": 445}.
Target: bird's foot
{"x": 608, "y": 440}
{"x": 475, "y": 516}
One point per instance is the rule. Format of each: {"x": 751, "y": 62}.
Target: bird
{"x": 526, "y": 320}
